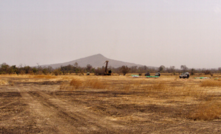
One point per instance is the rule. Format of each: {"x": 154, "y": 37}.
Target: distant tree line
{"x": 70, "y": 69}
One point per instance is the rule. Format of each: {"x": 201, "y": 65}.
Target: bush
{"x": 192, "y": 71}
{"x": 125, "y": 70}
{"x": 207, "y": 72}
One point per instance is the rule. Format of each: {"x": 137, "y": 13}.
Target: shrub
{"x": 207, "y": 72}
{"x": 124, "y": 70}
{"x": 192, "y": 72}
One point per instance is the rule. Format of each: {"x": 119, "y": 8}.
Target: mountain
{"x": 97, "y": 60}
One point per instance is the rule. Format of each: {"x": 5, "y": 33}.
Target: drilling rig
{"x": 106, "y": 72}
{"x": 103, "y": 70}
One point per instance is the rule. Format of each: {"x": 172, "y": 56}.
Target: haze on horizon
{"x": 147, "y": 32}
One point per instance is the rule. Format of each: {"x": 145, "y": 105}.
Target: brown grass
{"x": 42, "y": 76}
{"x": 3, "y": 82}
{"x": 159, "y": 86}
{"x": 76, "y": 83}
{"x": 185, "y": 91}
{"x": 208, "y": 110}
{"x": 126, "y": 87}
{"x": 210, "y": 83}
{"x": 95, "y": 84}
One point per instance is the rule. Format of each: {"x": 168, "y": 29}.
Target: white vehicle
{"x": 185, "y": 75}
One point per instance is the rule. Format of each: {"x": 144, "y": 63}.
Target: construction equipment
{"x": 103, "y": 70}
{"x": 107, "y": 72}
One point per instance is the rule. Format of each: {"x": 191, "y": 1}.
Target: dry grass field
{"x": 109, "y": 104}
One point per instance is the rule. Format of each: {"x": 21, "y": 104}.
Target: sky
{"x": 147, "y": 32}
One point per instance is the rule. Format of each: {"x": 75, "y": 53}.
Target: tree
{"x": 57, "y": 72}
{"x": 88, "y": 68}
{"x": 12, "y": 69}
{"x": 35, "y": 70}
{"x": 192, "y": 71}
{"x": 133, "y": 69}
{"x": 4, "y": 68}
{"x": 219, "y": 69}
{"x": 207, "y": 72}
{"x": 50, "y": 69}
{"x": 184, "y": 68}
{"x": 45, "y": 71}
{"x": 161, "y": 68}
{"x": 27, "y": 69}
{"x": 76, "y": 64}
{"x": 125, "y": 70}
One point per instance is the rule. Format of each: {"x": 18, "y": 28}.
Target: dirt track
{"x": 34, "y": 108}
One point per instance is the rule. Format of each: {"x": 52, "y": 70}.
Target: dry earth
{"x": 126, "y": 105}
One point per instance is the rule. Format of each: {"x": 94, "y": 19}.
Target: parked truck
{"x": 185, "y": 75}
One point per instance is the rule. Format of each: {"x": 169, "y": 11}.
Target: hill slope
{"x": 97, "y": 60}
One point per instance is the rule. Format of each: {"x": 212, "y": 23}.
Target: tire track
{"x": 47, "y": 117}
{"x": 8, "y": 104}
{"x": 79, "y": 123}
{"x": 79, "y": 114}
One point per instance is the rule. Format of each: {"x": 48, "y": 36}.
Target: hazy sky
{"x": 148, "y": 32}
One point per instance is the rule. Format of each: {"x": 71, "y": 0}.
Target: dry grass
{"x": 42, "y": 76}
{"x": 208, "y": 110}
{"x": 189, "y": 91}
{"x": 126, "y": 87}
{"x": 95, "y": 84}
{"x": 159, "y": 86}
{"x": 210, "y": 83}
{"x": 76, "y": 83}
{"x": 64, "y": 86}
{"x": 3, "y": 82}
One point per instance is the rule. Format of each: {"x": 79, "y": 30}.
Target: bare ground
{"x": 40, "y": 107}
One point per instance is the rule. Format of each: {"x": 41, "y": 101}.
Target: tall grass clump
{"x": 210, "y": 83}
{"x": 76, "y": 83}
{"x": 209, "y": 110}
{"x": 95, "y": 83}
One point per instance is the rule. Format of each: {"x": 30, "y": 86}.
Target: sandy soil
{"x": 39, "y": 106}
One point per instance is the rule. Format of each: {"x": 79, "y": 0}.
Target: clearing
{"x": 109, "y": 104}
